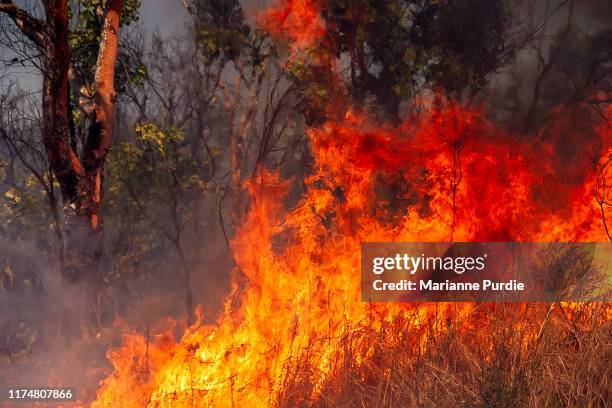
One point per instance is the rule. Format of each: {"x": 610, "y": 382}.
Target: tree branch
{"x": 29, "y": 25}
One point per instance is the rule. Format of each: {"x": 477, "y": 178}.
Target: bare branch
{"x": 32, "y": 27}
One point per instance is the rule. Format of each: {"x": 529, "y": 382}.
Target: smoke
{"x": 50, "y": 331}
{"x": 53, "y": 334}
{"x": 43, "y": 340}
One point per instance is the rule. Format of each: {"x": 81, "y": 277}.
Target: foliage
{"x": 578, "y": 60}
{"x": 396, "y": 48}
{"x": 222, "y": 30}
{"x": 155, "y": 165}
{"x": 24, "y": 211}
{"x": 155, "y": 179}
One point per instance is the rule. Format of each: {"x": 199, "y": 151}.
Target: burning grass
{"x": 548, "y": 360}
{"x": 297, "y": 334}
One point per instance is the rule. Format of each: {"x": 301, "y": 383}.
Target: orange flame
{"x": 447, "y": 175}
{"x": 302, "y": 298}
{"x": 299, "y": 21}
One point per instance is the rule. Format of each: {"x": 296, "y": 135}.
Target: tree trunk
{"x": 238, "y": 141}
{"x": 63, "y": 160}
{"x": 100, "y": 135}
{"x": 87, "y": 223}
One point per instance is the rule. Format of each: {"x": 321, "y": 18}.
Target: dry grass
{"x": 502, "y": 355}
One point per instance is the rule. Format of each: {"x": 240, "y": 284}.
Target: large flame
{"x": 301, "y": 302}
{"x": 448, "y": 175}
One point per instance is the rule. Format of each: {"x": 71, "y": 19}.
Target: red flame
{"x": 302, "y": 300}
{"x": 446, "y": 175}
{"x": 299, "y": 21}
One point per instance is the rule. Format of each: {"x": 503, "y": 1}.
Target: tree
{"x": 187, "y": 149}
{"x": 391, "y": 50}
{"x": 80, "y": 176}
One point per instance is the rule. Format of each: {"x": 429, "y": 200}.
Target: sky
{"x": 168, "y": 17}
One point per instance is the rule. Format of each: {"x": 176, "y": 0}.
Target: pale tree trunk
{"x": 238, "y": 140}
{"x": 230, "y": 103}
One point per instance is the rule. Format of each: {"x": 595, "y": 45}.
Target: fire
{"x": 448, "y": 175}
{"x": 299, "y": 20}
{"x": 301, "y": 303}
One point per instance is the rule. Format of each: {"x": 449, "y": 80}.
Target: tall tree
{"x": 79, "y": 176}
